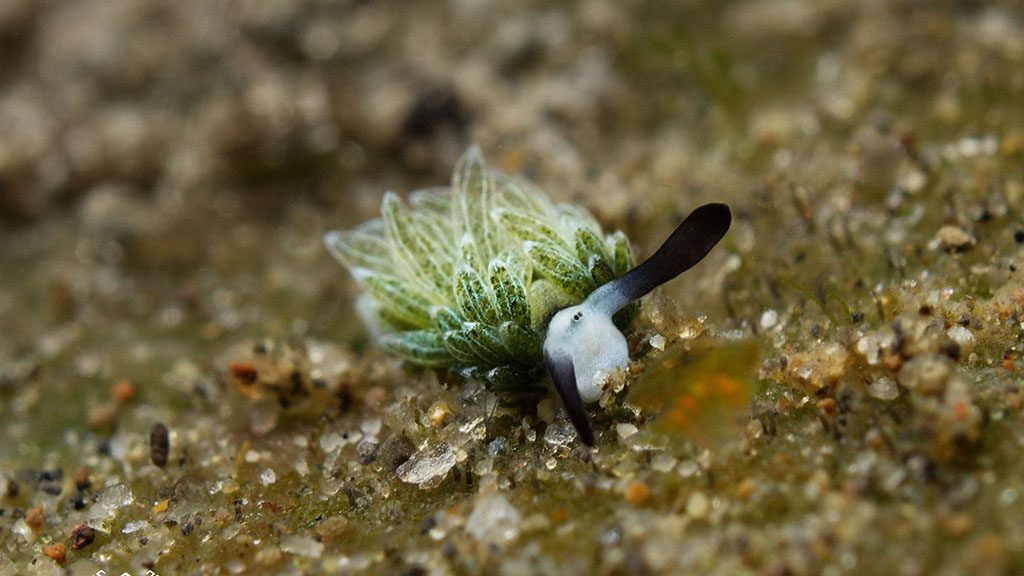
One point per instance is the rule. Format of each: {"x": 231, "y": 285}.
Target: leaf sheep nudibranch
{"x": 490, "y": 278}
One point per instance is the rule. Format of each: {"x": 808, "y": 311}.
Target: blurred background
{"x": 176, "y": 144}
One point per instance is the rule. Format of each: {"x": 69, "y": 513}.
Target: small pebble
{"x": 13, "y": 489}
{"x": 658, "y": 342}
{"x": 81, "y": 478}
{"x": 746, "y": 488}
{"x": 35, "y": 518}
{"x": 961, "y": 336}
{"x": 494, "y": 520}
{"x": 690, "y": 330}
{"x": 367, "y": 451}
{"x": 954, "y": 239}
{"x": 102, "y": 416}
{"x": 625, "y": 430}
{"x": 244, "y": 372}
{"x": 302, "y": 546}
{"x": 663, "y": 462}
{"x": 134, "y": 526}
{"x": 331, "y": 527}
{"x": 159, "y": 444}
{"x": 395, "y": 451}
{"x": 81, "y": 536}
{"x": 57, "y": 552}
{"x": 123, "y": 391}
{"x": 697, "y": 506}
{"x": 439, "y": 414}
{"x": 884, "y": 389}
{"x": 637, "y": 492}
{"x": 428, "y": 467}
{"x": 958, "y": 524}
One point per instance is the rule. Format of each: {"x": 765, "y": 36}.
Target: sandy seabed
{"x": 167, "y": 170}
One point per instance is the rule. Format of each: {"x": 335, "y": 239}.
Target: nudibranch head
{"x": 488, "y": 277}
{"x": 597, "y": 347}
{"x": 582, "y": 341}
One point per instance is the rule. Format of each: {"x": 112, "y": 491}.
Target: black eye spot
{"x": 576, "y": 317}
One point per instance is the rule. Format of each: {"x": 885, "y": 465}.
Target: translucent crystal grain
{"x": 494, "y": 520}
{"x": 302, "y": 546}
{"x": 884, "y": 388}
{"x": 625, "y": 430}
{"x": 109, "y": 501}
{"x": 560, "y": 433}
{"x": 657, "y": 342}
{"x": 663, "y": 462}
{"x": 428, "y": 467}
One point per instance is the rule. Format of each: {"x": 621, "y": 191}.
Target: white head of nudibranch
{"x": 583, "y": 342}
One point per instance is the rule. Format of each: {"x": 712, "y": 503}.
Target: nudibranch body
{"x": 490, "y": 278}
